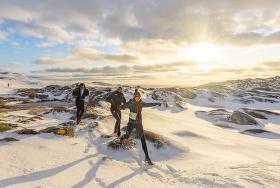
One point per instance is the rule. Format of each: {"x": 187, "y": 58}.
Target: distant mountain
{"x": 234, "y": 91}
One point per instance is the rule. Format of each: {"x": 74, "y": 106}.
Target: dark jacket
{"x": 116, "y": 99}
{"x": 77, "y": 93}
{"x": 136, "y": 107}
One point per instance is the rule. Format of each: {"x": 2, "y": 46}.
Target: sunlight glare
{"x": 202, "y": 52}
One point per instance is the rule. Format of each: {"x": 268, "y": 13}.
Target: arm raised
{"x": 144, "y": 104}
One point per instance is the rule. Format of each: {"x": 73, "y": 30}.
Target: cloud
{"x": 88, "y": 54}
{"x": 153, "y": 68}
{"x": 239, "y": 22}
{"x": 271, "y": 64}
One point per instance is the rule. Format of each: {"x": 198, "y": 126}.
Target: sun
{"x": 202, "y": 52}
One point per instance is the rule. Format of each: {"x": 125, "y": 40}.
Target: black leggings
{"x": 80, "y": 104}
{"x": 141, "y": 135}
{"x": 118, "y": 116}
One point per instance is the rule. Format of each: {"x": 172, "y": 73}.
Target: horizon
{"x": 99, "y": 82}
{"x": 158, "y": 43}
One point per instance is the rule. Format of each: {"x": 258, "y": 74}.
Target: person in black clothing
{"x": 80, "y": 92}
{"x": 135, "y": 121}
{"x": 116, "y": 99}
{"x": 136, "y": 91}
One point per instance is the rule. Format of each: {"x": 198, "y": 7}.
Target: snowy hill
{"x": 240, "y": 91}
{"x": 10, "y": 81}
{"x": 205, "y": 136}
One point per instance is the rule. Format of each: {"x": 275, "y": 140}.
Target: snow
{"x": 200, "y": 154}
{"x": 15, "y": 81}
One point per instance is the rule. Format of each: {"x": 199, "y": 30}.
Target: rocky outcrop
{"x": 242, "y": 118}
{"x": 226, "y": 119}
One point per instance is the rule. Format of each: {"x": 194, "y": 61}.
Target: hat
{"x": 119, "y": 86}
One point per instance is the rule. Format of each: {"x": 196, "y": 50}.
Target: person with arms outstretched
{"x": 116, "y": 99}
{"x": 135, "y": 106}
{"x": 80, "y": 93}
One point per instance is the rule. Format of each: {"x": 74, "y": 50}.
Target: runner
{"x": 117, "y": 99}
{"x": 135, "y": 121}
{"x": 80, "y": 92}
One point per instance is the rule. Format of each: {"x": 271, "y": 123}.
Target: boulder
{"x": 242, "y": 118}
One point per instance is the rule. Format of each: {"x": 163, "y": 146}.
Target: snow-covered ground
{"x": 199, "y": 155}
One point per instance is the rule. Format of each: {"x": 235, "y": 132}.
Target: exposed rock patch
{"x": 9, "y": 139}
{"x": 120, "y": 143}
{"x": 27, "y": 131}
{"x": 242, "y": 118}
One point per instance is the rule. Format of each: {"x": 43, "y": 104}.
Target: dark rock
{"x": 218, "y": 112}
{"x": 9, "y": 139}
{"x": 242, "y": 118}
{"x": 268, "y": 112}
{"x": 49, "y": 130}
{"x": 256, "y": 131}
{"x": 211, "y": 99}
{"x": 60, "y": 109}
{"x": 68, "y": 124}
{"x": 42, "y": 96}
{"x": 27, "y": 131}
{"x": 28, "y": 120}
{"x": 254, "y": 113}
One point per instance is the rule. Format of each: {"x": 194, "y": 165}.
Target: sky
{"x": 141, "y": 42}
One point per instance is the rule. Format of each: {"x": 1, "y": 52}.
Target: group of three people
{"x": 118, "y": 103}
